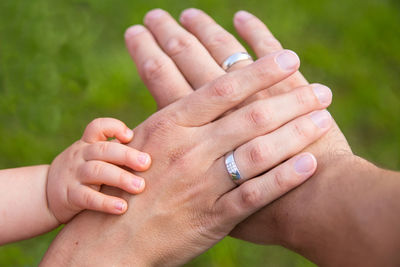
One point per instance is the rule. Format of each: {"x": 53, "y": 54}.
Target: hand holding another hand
{"x": 190, "y": 202}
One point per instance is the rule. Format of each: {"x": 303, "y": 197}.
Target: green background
{"x": 63, "y": 63}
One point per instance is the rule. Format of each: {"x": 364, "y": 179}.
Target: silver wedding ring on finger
{"x": 232, "y": 168}
{"x": 235, "y": 58}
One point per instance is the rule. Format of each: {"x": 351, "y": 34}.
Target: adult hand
{"x": 301, "y": 220}
{"x": 190, "y": 203}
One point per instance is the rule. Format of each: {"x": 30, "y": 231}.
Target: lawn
{"x": 63, "y": 63}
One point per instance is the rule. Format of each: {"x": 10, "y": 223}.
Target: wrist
{"x": 348, "y": 218}
{"x": 47, "y": 198}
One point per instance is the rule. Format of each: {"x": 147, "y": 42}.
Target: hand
{"x": 191, "y": 202}
{"x": 317, "y": 218}
{"x": 192, "y": 56}
{"x": 76, "y": 175}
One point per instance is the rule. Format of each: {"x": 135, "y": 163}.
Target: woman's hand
{"x": 190, "y": 202}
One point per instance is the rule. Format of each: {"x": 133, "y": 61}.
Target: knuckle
{"x": 251, "y": 196}
{"x": 160, "y": 125}
{"x": 181, "y": 157}
{"x": 218, "y": 39}
{"x": 302, "y": 97}
{"x": 225, "y": 87}
{"x": 178, "y": 44}
{"x": 154, "y": 69}
{"x": 279, "y": 182}
{"x": 261, "y": 72}
{"x": 258, "y": 154}
{"x": 102, "y": 147}
{"x": 299, "y": 131}
{"x": 95, "y": 124}
{"x": 83, "y": 170}
{"x": 88, "y": 200}
{"x": 95, "y": 169}
{"x": 258, "y": 116}
{"x": 270, "y": 44}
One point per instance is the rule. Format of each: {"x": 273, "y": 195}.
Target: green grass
{"x": 63, "y": 63}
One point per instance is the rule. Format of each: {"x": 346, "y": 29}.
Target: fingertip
{"x": 128, "y": 134}
{"x": 144, "y": 160}
{"x": 134, "y": 30}
{"x": 287, "y": 60}
{"x": 242, "y": 16}
{"x": 189, "y": 14}
{"x": 153, "y": 14}
{"x": 138, "y": 185}
{"x": 305, "y": 164}
{"x": 120, "y": 206}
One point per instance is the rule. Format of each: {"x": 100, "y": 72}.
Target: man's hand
{"x": 191, "y": 201}
{"x": 321, "y": 219}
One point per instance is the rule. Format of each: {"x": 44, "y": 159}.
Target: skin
{"x": 48, "y": 195}
{"x": 345, "y": 215}
{"x": 190, "y": 202}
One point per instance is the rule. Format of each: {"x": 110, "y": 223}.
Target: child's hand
{"x": 76, "y": 175}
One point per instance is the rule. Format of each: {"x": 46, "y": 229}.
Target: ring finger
{"x": 264, "y": 152}
{"x": 219, "y": 43}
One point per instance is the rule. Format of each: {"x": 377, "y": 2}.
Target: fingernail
{"x": 321, "y": 118}
{"x": 143, "y": 158}
{"x": 323, "y": 93}
{"x": 189, "y": 13}
{"x": 137, "y": 183}
{"x": 129, "y": 133}
{"x": 243, "y": 16}
{"x": 134, "y": 30}
{"x": 119, "y": 205}
{"x": 154, "y": 14}
{"x": 287, "y": 60}
{"x": 304, "y": 164}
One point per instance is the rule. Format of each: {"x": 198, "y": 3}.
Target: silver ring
{"x": 235, "y": 58}
{"x": 232, "y": 168}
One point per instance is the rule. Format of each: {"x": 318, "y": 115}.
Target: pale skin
{"x": 190, "y": 202}
{"x": 37, "y": 199}
{"x": 307, "y": 219}
{"x": 346, "y": 215}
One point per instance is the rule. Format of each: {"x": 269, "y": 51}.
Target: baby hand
{"x": 76, "y": 175}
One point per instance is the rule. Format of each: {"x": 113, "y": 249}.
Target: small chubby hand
{"x": 76, "y": 175}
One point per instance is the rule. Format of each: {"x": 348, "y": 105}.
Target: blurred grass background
{"x": 63, "y": 63}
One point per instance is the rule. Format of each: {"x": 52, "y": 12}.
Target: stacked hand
{"x": 266, "y": 113}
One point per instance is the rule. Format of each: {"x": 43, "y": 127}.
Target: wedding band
{"x": 232, "y": 168}
{"x": 235, "y": 58}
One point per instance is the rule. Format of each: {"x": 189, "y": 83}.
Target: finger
{"x": 118, "y": 154}
{"x": 264, "y": 116}
{"x": 220, "y": 43}
{"x": 265, "y": 152}
{"x": 103, "y": 128}
{"x": 192, "y": 59}
{"x": 87, "y": 198}
{"x": 255, "y": 33}
{"x": 212, "y": 100}
{"x": 159, "y": 73}
{"x": 98, "y": 172}
{"x": 254, "y": 194}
